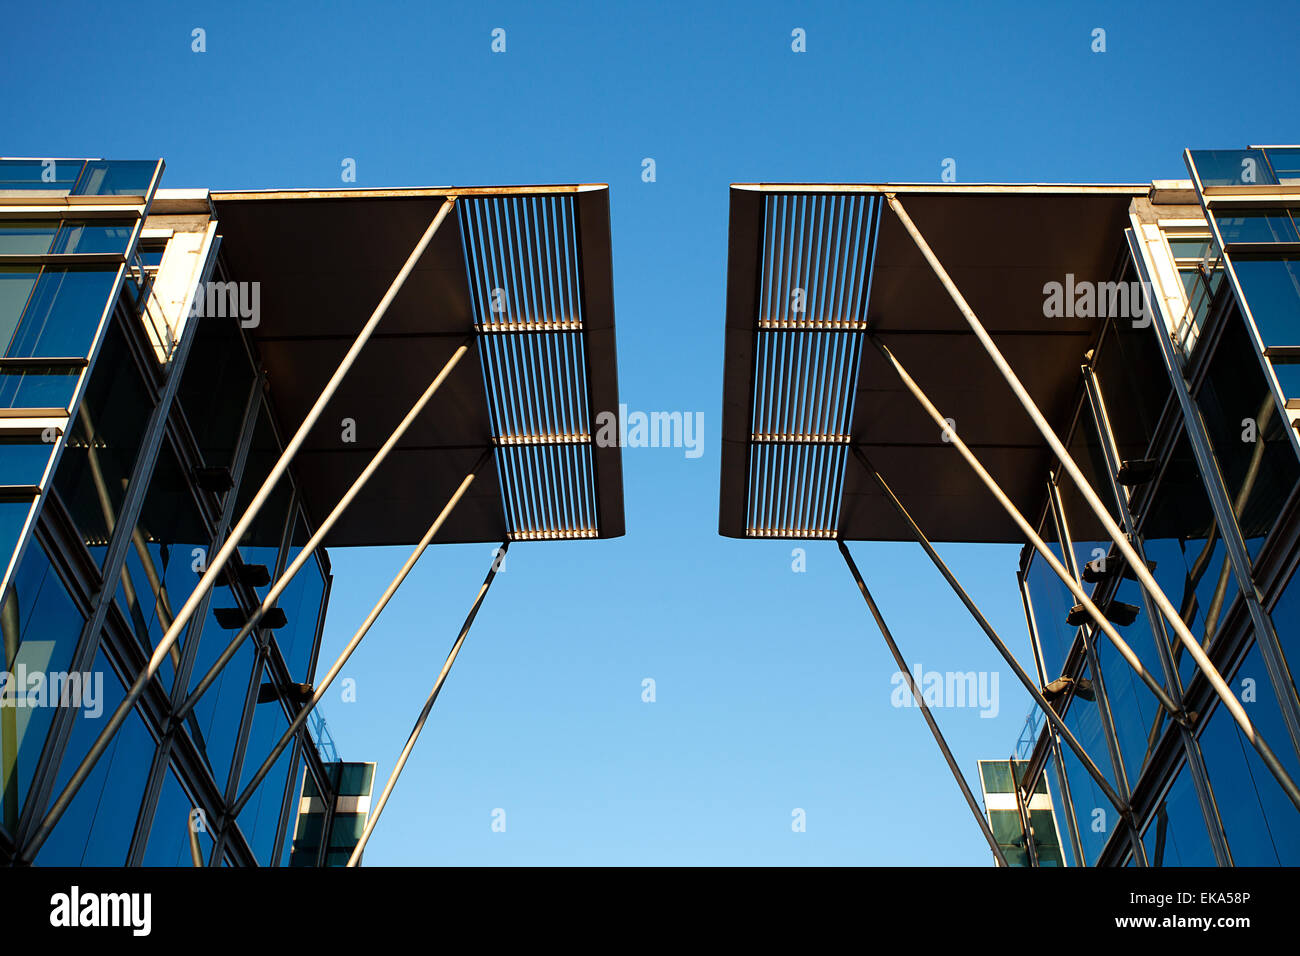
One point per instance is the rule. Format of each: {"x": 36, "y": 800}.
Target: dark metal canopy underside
{"x": 800, "y": 386}
{"x": 533, "y": 296}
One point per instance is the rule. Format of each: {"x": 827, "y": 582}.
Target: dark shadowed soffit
{"x": 800, "y": 387}
{"x": 541, "y": 365}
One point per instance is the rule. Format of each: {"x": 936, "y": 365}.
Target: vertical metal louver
{"x": 522, "y": 260}
{"x": 812, "y": 302}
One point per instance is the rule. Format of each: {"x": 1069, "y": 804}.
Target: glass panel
{"x": 41, "y": 627}
{"x": 1050, "y": 772}
{"x": 1260, "y": 821}
{"x": 1180, "y": 536}
{"x": 1095, "y": 815}
{"x": 95, "y": 469}
{"x": 13, "y": 515}
{"x": 16, "y": 284}
{"x": 52, "y": 175}
{"x": 116, "y": 178}
{"x": 101, "y": 236}
{"x": 1248, "y": 433}
{"x": 1051, "y": 601}
{"x": 97, "y": 828}
{"x": 26, "y": 238}
{"x": 1177, "y": 835}
{"x": 261, "y": 815}
{"x": 23, "y": 460}
{"x": 63, "y": 314}
{"x": 261, "y": 545}
{"x": 38, "y": 386}
{"x": 169, "y": 838}
{"x": 213, "y": 389}
{"x": 1134, "y": 394}
{"x": 1285, "y": 161}
{"x": 1231, "y": 167}
{"x": 301, "y": 603}
{"x": 1264, "y": 225}
{"x": 215, "y": 723}
{"x": 167, "y": 558}
{"x": 1272, "y": 289}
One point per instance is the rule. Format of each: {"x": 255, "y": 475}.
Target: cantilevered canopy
{"x": 522, "y": 273}
{"x": 812, "y": 268}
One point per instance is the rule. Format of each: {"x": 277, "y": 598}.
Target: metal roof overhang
{"x": 325, "y": 258}
{"x": 1000, "y": 244}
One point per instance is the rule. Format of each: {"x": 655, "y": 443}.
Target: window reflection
{"x": 1176, "y": 834}
{"x": 102, "y": 446}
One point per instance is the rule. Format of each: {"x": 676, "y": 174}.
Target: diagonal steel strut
{"x": 1138, "y": 566}
{"x": 925, "y": 710}
{"x": 217, "y": 565}
{"x": 428, "y": 705}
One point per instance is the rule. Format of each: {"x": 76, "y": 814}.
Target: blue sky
{"x": 773, "y": 687}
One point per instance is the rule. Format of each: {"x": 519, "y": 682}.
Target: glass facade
{"x": 107, "y": 522}
{"x": 1210, "y": 498}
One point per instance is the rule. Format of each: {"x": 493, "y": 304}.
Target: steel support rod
{"x": 319, "y": 693}
{"x": 1053, "y": 562}
{"x": 310, "y": 547}
{"x": 217, "y": 565}
{"x": 196, "y": 853}
{"x": 925, "y": 710}
{"x": 497, "y": 558}
{"x": 1048, "y": 711}
{"x": 1138, "y": 566}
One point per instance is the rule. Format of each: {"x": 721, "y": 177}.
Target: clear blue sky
{"x": 773, "y": 687}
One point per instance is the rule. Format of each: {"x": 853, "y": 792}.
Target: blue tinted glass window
{"x": 85, "y": 237}
{"x": 260, "y": 818}
{"x": 1177, "y": 835}
{"x": 1051, "y": 601}
{"x": 26, "y": 238}
{"x": 23, "y": 460}
{"x": 63, "y": 314}
{"x": 1232, "y": 167}
{"x": 102, "y": 446}
{"x": 115, "y": 178}
{"x": 169, "y": 839}
{"x": 16, "y": 284}
{"x": 41, "y": 626}
{"x": 97, "y": 827}
{"x": 164, "y": 564}
{"x": 301, "y": 603}
{"x": 1265, "y": 225}
{"x": 38, "y": 386}
{"x": 1095, "y": 814}
{"x": 217, "y": 718}
{"x": 1272, "y": 290}
{"x": 1261, "y": 823}
{"x": 54, "y": 175}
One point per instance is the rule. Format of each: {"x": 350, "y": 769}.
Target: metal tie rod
{"x": 287, "y": 737}
{"x": 310, "y": 547}
{"x": 1066, "y": 578}
{"x": 1138, "y": 566}
{"x": 428, "y": 706}
{"x": 925, "y": 710}
{"x": 998, "y": 643}
{"x": 209, "y": 578}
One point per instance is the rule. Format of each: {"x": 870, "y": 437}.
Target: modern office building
{"x": 1026, "y": 828}
{"x": 1109, "y": 375}
{"x": 165, "y": 355}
